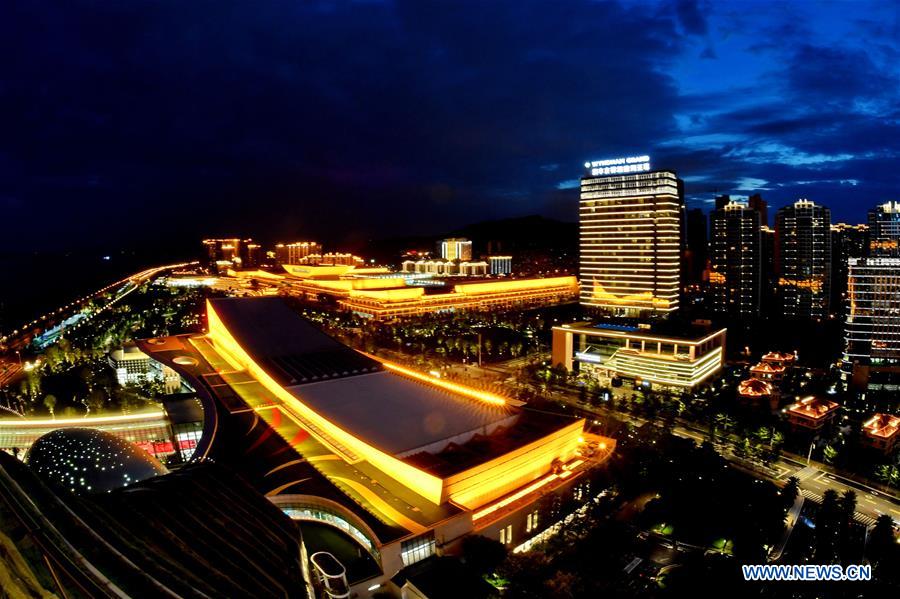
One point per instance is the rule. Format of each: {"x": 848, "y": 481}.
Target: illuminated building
{"x": 330, "y": 259}
{"x": 133, "y": 367}
{"x": 735, "y": 271}
{"x": 757, "y": 391}
{"x": 884, "y": 229}
{"x": 222, "y": 254}
{"x": 402, "y": 462}
{"x": 495, "y": 295}
{"x": 803, "y": 260}
{"x": 847, "y": 241}
{"x": 871, "y": 360}
{"x": 630, "y": 237}
{"x": 445, "y": 267}
{"x": 456, "y": 249}
{"x": 86, "y": 460}
{"x": 500, "y": 265}
{"x": 639, "y": 353}
{"x": 775, "y": 358}
{"x": 770, "y": 373}
{"x": 811, "y": 413}
{"x": 159, "y": 433}
{"x": 881, "y": 432}
{"x": 296, "y": 252}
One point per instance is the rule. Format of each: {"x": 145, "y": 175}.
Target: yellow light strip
{"x": 85, "y": 421}
{"x": 484, "y": 396}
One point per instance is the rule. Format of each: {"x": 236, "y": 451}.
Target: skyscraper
{"x": 871, "y": 360}
{"x": 884, "y": 229}
{"x": 297, "y": 252}
{"x": 735, "y": 260}
{"x": 630, "y": 237}
{"x": 803, "y": 259}
{"x": 872, "y": 330}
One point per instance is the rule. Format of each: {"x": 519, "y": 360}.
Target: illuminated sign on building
{"x": 619, "y": 166}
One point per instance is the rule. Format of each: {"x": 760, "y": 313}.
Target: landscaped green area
{"x": 72, "y": 377}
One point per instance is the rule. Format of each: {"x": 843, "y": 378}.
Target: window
{"x": 531, "y": 522}
{"x": 506, "y": 535}
{"x": 417, "y": 549}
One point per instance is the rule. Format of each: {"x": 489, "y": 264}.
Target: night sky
{"x": 159, "y": 122}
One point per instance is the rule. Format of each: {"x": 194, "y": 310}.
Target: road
{"x": 814, "y": 481}
{"x": 11, "y": 364}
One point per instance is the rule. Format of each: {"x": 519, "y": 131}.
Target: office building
{"x": 500, "y": 265}
{"x": 871, "y": 360}
{"x": 679, "y": 360}
{"x": 296, "y": 252}
{"x": 735, "y": 265}
{"x": 803, "y": 260}
{"x": 456, "y": 249}
{"x": 630, "y": 238}
{"x": 884, "y": 229}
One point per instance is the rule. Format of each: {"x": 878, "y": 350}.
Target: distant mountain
{"x": 521, "y": 235}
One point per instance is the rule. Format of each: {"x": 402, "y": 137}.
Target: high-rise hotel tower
{"x": 630, "y": 234}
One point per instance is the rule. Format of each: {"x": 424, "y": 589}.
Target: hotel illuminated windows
{"x": 418, "y": 548}
{"x": 506, "y": 535}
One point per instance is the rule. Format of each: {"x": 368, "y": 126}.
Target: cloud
{"x": 349, "y": 120}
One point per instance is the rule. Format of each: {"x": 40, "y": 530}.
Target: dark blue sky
{"x": 155, "y": 121}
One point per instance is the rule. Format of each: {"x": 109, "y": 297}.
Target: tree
{"x": 827, "y": 527}
{"x": 790, "y": 491}
{"x": 828, "y": 454}
{"x": 50, "y": 403}
{"x": 881, "y": 548}
{"x": 483, "y": 555}
{"x": 848, "y": 504}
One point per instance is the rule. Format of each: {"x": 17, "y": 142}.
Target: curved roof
{"x": 391, "y": 412}
{"x": 87, "y": 460}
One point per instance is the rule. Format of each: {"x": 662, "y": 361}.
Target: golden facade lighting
{"x": 630, "y": 240}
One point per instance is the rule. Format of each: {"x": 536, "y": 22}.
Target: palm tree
{"x": 791, "y": 490}
{"x": 848, "y": 504}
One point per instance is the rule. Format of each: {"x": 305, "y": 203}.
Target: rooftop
{"x": 394, "y": 413}
{"x": 754, "y": 387}
{"x": 812, "y": 407}
{"x": 419, "y": 414}
{"x": 675, "y": 329}
{"x": 882, "y": 425}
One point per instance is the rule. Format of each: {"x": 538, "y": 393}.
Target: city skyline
{"x": 342, "y": 108}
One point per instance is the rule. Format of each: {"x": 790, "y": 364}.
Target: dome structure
{"x": 86, "y": 460}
